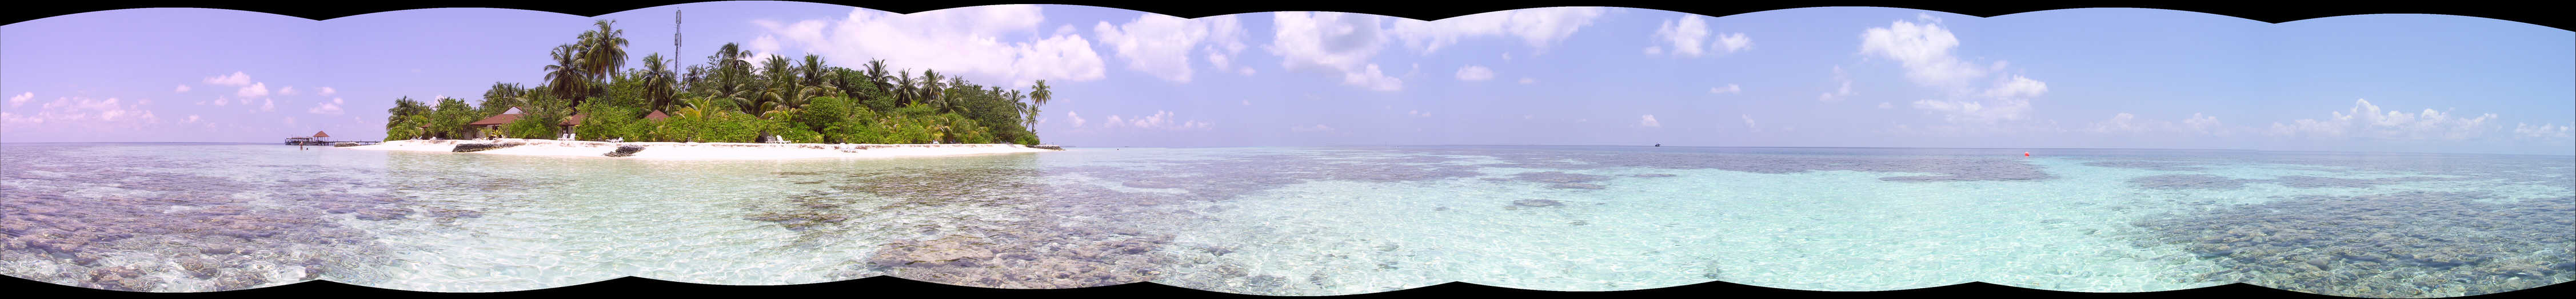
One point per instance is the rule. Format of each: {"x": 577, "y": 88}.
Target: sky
{"x": 1826, "y": 77}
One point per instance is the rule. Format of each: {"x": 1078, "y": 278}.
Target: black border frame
{"x": 895, "y": 286}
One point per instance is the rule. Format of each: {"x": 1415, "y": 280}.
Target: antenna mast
{"x": 675, "y": 43}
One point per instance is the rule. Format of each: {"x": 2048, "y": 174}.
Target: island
{"x": 697, "y": 150}
{"x": 739, "y": 105}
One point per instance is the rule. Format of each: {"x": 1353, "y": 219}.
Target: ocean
{"x": 179, "y": 217}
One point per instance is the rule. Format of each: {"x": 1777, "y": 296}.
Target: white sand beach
{"x": 705, "y": 150}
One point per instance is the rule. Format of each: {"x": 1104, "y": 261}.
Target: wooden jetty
{"x": 316, "y": 139}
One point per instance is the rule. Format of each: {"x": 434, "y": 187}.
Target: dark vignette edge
{"x": 637, "y": 285}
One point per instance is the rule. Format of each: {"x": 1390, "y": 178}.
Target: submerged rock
{"x": 625, "y": 150}
{"x": 1537, "y": 203}
{"x": 477, "y": 147}
{"x": 1585, "y": 186}
{"x": 2187, "y": 181}
{"x": 950, "y": 251}
{"x": 2401, "y": 244}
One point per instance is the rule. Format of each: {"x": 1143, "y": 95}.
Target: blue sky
{"x": 1843, "y": 76}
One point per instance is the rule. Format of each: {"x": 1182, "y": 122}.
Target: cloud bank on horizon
{"x": 1877, "y": 77}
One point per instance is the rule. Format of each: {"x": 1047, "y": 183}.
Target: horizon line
{"x": 1570, "y": 145}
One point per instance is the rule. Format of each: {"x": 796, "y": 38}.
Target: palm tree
{"x": 877, "y": 76}
{"x": 660, "y": 88}
{"x": 696, "y": 74}
{"x": 404, "y": 107}
{"x": 1038, "y": 96}
{"x": 726, "y": 61}
{"x": 930, "y": 89}
{"x": 501, "y": 96}
{"x": 1028, "y": 113}
{"x": 812, "y": 70}
{"x": 604, "y": 50}
{"x": 903, "y": 88}
{"x": 841, "y": 79}
{"x": 566, "y": 76}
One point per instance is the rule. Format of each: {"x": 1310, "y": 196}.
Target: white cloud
{"x": 13, "y": 118}
{"x": 182, "y": 88}
{"x": 1160, "y": 45}
{"x": 288, "y": 91}
{"x": 252, "y": 91}
{"x": 1839, "y": 93}
{"x": 1373, "y": 79}
{"x": 1540, "y": 28}
{"x": 1749, "y": 124}
{"x": 1333, "y": 42}
{"x": 1077, "y": 118}
{"x": 326, "y": 90}
{"x": 84, "y": 111}
{"x": 21, "y": 98}
{"x": 1528, "y": 80}
{"x": 1159, "y": 120}
{"x": 1734, "y": 42}
{"x": 1475, "y": 73}
{"x": 2018, "y": 87}
{"x": 331, "y": 108}
{"x": 192, "y": 118}
{"x": 1969, "y": 111}
{"x": 1886, "y": 105}
{"x": 1417, "y": 113}
{"x": 1925, "y": 52}
{"x": 2544, "y": 131}
{"x": 236, "y": 79}
{"x": 1314, "y": 128}
{"x": 266, "y": 105}
{"x": 1247, "y": 102}
{"x": 1686, "y": 37}
{"x": 1649, "y": 121}
{"x": 961, "y": 41}
{"x": 1729, "y": 89}
{"x": 2367, "y": 121}
{"x": 1225, "y": 34}
{"x": 2134, "y": 125}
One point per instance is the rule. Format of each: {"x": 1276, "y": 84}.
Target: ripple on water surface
{"x": 1294, "y": 221}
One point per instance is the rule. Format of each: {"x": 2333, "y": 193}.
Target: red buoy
{"x": 2025, "y": 154}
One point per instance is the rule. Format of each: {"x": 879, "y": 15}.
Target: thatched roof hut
{"x": 505, "y": 118}
{"x": 320, "y": 134}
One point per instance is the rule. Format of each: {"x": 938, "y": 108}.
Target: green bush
{"x": 530, "y": 128}
{"x": 801, "y": 135}
{"x": 638, "y": 130}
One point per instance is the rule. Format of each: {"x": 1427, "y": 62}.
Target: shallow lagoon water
{"x": 1297, "y": 221}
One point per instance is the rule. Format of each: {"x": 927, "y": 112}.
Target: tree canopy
{"x": 733, "y": 97}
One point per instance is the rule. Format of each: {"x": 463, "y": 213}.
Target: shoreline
{"x": 685, "y": 151}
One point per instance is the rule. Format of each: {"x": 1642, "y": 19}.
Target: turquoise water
{"x": 1297, "y": 221}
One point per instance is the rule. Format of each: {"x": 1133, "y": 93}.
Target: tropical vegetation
{"x": 733, "y": 97}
